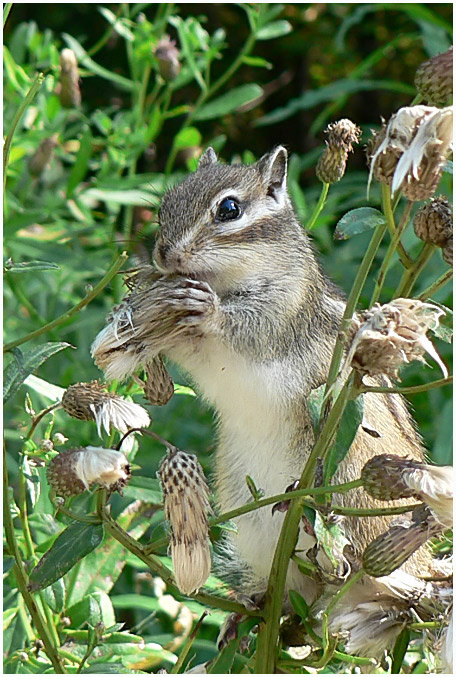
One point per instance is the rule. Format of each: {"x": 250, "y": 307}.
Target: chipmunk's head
{"x": 225, "y": 222}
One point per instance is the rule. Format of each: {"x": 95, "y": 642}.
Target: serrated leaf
{"x": 346, "y": 433}
{"x": 24, "y": 363}
{"x": 275, "y": 29}
{"x": 72, "y": 545}
{"x": 30, "y": 266}
{"x": 358, "y": 221}
{"x": 229, "y": 102}
{"x": 299, "y": 604}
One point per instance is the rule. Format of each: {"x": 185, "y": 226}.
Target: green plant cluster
{"x": 82, "y": 186}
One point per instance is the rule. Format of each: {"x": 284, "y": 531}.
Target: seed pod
{"x": 159, "y": 387}
{"x": 70, "y": 94}
{"x": 341, "y": 137}
{"x": 382, "y": 477}
{"x": 390, "y": 550}
{"x": 74, "y": 471}
{"x": 384, "y": 163}
{"x": 43, "y": 155}
{"x": 167, "y": 56}
{"x": 186, "y": 502}
{"x": 433, "y": 222}
{"x": 434, "y": 79}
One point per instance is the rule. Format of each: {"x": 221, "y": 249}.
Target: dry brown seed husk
{"x": 61, "y": 474}
{"x": 434, "y": 79}
{"x": 382, "y": 477}
{"x": 433, "y": 222}
{"x": 77, "y": 399}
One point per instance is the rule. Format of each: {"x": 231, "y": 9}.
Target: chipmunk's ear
{"x": 273, "y": 169}
{"x": 208, "y": 158}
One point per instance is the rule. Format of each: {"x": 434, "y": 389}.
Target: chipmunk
{"x": 256, "y": 321}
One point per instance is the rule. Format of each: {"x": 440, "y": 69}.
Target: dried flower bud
{"x": 167, "y": 56}
{"x": 410, "y": 152}
{"x": 74, "y": 471}
{"x": 159, "y": 387}
{"x": 186, "y": 500}
{"x": 391, "y": 549}
{"x": 447, "y": 251}
{"x": 70, "y": 94}
{"x": 341, "y": 137}
{"x": 433, "y": 222}
{"x": 42, "y": 157}
{"x": 434, "y": 79}
{"x": 382, "y": 477}
{"x": 92, "y": 402}
{"x": 434, "y": 485}
{"x": 384, "y": 338}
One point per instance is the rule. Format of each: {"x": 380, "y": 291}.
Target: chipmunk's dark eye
{"x": 228, "y": 209}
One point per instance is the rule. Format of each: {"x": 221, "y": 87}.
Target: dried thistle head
{"x": 70, "y": 94}
{"x": 409, "y": 153}
{"x": 388, "y": 336}
{"x": 74, "y": 471}
{"x": 167, "y": 56}
{"x": 341, "y": 136}
{"x": 433, "y": 222}
{"x": 392, "y": 548}
{"x": 447, "y": 251}
{"x": 92, "y": 402}
{"x": 186, "y": 502}
{"x": 43, "y": 155}
{"x": 434, "y": 79}
{"x": 382, "y": 477}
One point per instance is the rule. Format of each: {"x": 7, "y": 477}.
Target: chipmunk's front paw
{"x": 196, "y": 304}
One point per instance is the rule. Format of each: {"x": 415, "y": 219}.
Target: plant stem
{"x": 410, "y": 276}
{"x": 435, "y": 286}
{"x": 66, "y": 316}
{"x": 391, "y": 224}
{"x": 36, "y": 84}
{"x": 393, "y": 246}
{"x": 6, "y": 11}
{"x": 21, "y": 578}
{"x": 187, "y": 646}
{"x": 410, "y": 390}
{"x": 318, "y": 207}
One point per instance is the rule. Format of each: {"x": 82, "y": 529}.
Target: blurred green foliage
{"x": 251, "y": 76}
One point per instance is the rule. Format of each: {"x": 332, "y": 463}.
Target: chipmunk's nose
{"x": 166, "y": 258}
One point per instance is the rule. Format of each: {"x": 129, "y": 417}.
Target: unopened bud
{"x": 167, "y": 56}
{"x": 74, "y": 471}
{"x": 434, "y": 79}
{"x": 159, "y": 386}
{"x": 382, "y": 477}
{"x": 433, "y": 222}
{"x": 42, "y": 157}
{"x": 390, "y": 550}
{"x": 341, "y": 137}
{"x": 186, "y": 502}
{"x": 70, "y": 94}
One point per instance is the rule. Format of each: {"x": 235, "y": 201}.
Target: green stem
{"x": 21, "y": 578}
{"x": 411, "y": 275}
{"x": 318, "y": 207}
{"x": 177, "y": 667}
{"x": 66, "y": 316}
{"x": 388, "y": 211}
{"x": 6, "y": 11}
{"x": 435, "y": 286}
{"x": 393, "y": 246}
{"x": 410, "y": 390}
{"x": 36, "y": 84}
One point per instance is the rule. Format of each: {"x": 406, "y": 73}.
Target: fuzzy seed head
{"x": 433, "y": 222}
{"x": 70, "y": 94}
{"x": 391, "y": 549}
{"x": 167, "y": 56}
{"x": 382, "y": 477}
{"x": 386, "y": 337}
{"x": 74, "y": 471}
{"x": 186, "y": 502}
{"x": 341, "y": 136}
{"x": 434, "y": 79}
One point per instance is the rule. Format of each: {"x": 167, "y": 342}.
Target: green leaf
{"x": 79, "y": 169}
{"x": 274, "y": 30}
{"x": 72, "y": 545}
{"x": 358, "y": 221}
{"x": 106, "y": 669}
{"x": 24, "y": 363}
{"x": 146, "y": 489}
{"x": 119, "y": 24}
{"x": 348, "y": 427}
{"x": 87, "y": 62}
{"x": 190, "y": 136}
{"x": 229, "y": 102}
{"x": 315, "y": 403}
{"x": 54, "y": 596}
{"x": 399, "y": 651}
{"x": 94, "y": 608}
{"x": 256, "y": 62}
{"x": 29, "y": 266}
{"x": 299, "y": 604}
{"x": 141, "y": 198}
{"x": 332, "y": 541}
{"x": 49, "y": 390}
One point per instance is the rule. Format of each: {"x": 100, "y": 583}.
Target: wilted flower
{"x": 70, "y": 94}
{"x": 168, "y": 59}
{"x": 74, "y": 471}
{"x": 434, "y": 79}
{"x": 433, "y": 222}
{"x": 388, "y": 336}
{"x": 42, "y": 157}
{"x": 92, "y": 402}
{"x": 186, "y": 501}
{"x": 434, "y": 485}
{"x": 392, "y": 548}
{"x": 341, "y": 137}
{"x": 410, "y": 152}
